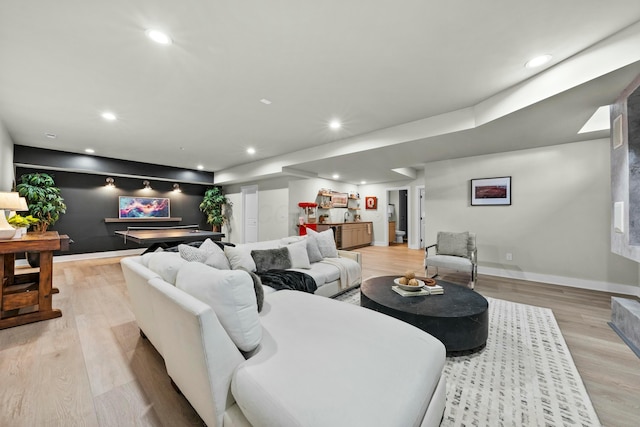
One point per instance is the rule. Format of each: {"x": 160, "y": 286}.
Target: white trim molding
{"x": 573, "y": 282}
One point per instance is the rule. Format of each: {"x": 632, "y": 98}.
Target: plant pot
{"x": 22, "y": 231}
{"x": 33, "y": 258}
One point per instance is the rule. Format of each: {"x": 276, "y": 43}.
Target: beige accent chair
{"x": 455, "y": 251}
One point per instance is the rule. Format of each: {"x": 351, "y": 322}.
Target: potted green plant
{"x": 213, "y": 204}
{"x": 43, "y": 198}
{"x": 21, "y": 223}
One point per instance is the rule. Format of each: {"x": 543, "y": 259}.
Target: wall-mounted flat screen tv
{"x": 143, "y": 207}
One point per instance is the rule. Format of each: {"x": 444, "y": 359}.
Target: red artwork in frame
{"x": 371, "y": 202}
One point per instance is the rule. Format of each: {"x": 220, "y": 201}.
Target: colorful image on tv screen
{"x": 143, "y": 207}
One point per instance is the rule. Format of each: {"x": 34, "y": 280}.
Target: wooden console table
{"x": 23, "y": 291}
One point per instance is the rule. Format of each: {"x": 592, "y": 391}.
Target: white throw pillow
{"x": 144, "y": 258}
{"x": 313, "y": 251}
{"x": 166, "y": 264}
{"x": 298, "y": 254}
{"x": 218, "y": 260}
{"x": 290, "y": 239}
{"x": 232, "y": 297}
{"x": 326, "y": 242}
{"x": 240, "y": 257}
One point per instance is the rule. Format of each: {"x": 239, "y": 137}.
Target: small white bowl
{"x": 409, "y": 287}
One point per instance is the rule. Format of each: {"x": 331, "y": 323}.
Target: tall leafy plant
{"x": 43, "y": 198}
{"x": 213, "y": 204}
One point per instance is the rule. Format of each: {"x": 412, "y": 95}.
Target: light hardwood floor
{"x": 90, "y": 367}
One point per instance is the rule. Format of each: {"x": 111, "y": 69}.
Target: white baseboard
{"x": 573, "y": 282}
{"x": 91, "y": 255}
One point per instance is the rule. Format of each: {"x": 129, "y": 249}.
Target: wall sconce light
{"x": 176, "y": 188}
{"x": 110, "y": 183}
{"x": 147, "y": 185}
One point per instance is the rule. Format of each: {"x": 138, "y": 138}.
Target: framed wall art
{"x": 143, "y": 207}
{"x": 491, "y": 191}
{"x": 371, "y": 202}
{"x": 339, "y": 200}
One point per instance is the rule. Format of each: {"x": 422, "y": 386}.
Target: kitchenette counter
{"x": 350, "y": 234}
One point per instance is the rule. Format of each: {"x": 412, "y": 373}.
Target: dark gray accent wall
{"x": 89, "y": 201}
{"x": 59, "y": 160}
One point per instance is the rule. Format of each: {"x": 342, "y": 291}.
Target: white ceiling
{"x": 412, "y": 81}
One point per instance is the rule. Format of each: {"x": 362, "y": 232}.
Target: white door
{"x": 249, "y": 214}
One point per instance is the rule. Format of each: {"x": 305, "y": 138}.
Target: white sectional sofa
{"x": 334, "y": 271}
{"x": 304, "y": 360}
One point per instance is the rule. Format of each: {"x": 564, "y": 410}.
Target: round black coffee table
{"x": 459, "y": 318}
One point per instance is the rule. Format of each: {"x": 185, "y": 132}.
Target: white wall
{"x": 273, "y": 214}
{"x": 233, "y": 228}
{"x": 6, "y": 159}
{"x": 557, "y": 227}
{"x": 379, "y": 216}
{"x": 273, "y": 208}
{"x": 306, "y": 190}
{"x": 278, "y": 210}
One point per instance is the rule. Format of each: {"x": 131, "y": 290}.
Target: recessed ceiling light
{"x": 335, "y": 124}
{"x": 363, "y": 182}
{"x": 538, "y": 61}
{"x": 336, "y": 176}
{"x": 251, "y": 150}
{"x": 158, "y": 36}
{"x": 265, "y": 101}
{"x": 51, "y": 135}
{"x": 89, "y": 150}
{"x": 200, "y": 167}
{"x": 107, "y": 115}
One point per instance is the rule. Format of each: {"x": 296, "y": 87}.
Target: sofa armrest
{"x": 137, "y": 277}
{"x": 356, "y": 256}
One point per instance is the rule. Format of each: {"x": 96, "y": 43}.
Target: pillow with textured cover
{"x": 197, "y": 254}
{"x": 453, "y": 243}
{"x": 240, "y": 255}
{"x": 269, "y": 259}
{"x": 208, "y": 253}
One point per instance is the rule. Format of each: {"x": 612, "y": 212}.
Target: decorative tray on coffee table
{"x": 424, "y": 287}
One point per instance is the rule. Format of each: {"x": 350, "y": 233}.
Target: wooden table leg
{"x": 46, "y": 278}
{"x": 3, "y": 279}
{"x": 7, "y": 269}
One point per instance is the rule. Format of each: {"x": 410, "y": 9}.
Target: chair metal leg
{"x": 474, "y": 277}
{"x": 426, "y": 272}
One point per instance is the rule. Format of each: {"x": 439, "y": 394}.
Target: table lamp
{"x": 11, "y": 202}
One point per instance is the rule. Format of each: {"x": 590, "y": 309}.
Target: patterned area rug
{"x": 525, "y": 376}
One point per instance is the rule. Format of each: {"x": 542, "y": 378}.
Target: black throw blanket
{"x": 285, "y": 279}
